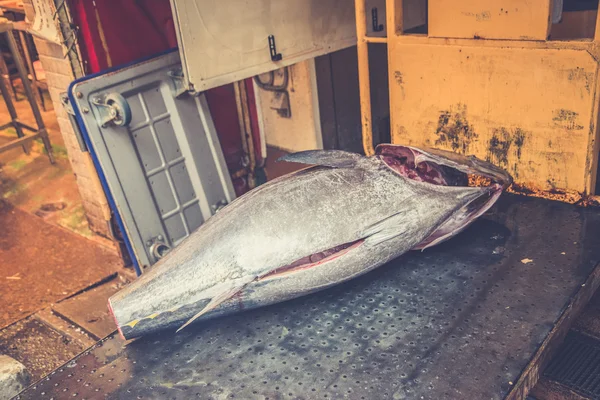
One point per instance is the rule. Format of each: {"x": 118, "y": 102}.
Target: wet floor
{"x": 42, "y": 263}
{"x": 49, "y": 258}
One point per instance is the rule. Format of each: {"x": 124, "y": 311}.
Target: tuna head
{"x": 445, "y": 168}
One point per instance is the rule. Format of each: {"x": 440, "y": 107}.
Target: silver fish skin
{"x": 307, "y": 231}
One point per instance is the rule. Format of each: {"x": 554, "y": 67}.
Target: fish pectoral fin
{"x": 220, "y": 298}
{"x": 386, "y": 229}
{"x": 328, "y": 158}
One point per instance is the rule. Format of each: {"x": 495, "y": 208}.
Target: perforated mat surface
{"x": 461, "y": 320}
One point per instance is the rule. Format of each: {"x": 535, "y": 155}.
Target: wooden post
{"x": 592, "y": 157}
{"x": 597, "y": 32}
{"x": 394, "y": 12}
{"x": 363, "y": 77}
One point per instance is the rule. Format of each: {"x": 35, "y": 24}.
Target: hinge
{"x": 178, "y": 87}
{"x": 64, "y": 99}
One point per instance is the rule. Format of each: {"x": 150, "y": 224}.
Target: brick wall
{"x": 59, "y": 75}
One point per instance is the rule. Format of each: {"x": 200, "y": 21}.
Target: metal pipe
{"x": 240, "y": 99}
{"x": 271, "y": 86}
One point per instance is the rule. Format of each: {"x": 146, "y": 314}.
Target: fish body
{"x": 304, "y": 232}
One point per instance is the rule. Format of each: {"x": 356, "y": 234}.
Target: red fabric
{"x": 112, "y": 35}
{"x": 117, "y": 33}
{"x": 223, "y": 109}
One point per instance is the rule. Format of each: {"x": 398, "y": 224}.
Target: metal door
{"x": 157, "y": 151}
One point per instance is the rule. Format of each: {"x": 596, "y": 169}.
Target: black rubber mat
{"x": 459, "y": 321}
{"x": 577, "y": 365}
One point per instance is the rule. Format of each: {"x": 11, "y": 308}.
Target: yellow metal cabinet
{"x": 528, "y": 106}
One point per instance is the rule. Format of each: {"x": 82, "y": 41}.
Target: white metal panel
{"x": 164, "y": 169}
{"x": 223, "y": 42}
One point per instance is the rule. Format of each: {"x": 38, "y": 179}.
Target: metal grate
{"x": 459, "y": 321}
{"x": 577, "y": 365}
{"x": 165, "y": 171}
{"x": 164, "y": 165}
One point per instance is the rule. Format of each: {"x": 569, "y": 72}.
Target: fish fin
{"x": 385, "y": 229}
{"x": 215, "y": 301}
{"x": 328, "y": 158}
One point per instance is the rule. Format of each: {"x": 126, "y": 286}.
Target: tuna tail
{"x": 327, "y": 158}
{"x": 220, "y": 298}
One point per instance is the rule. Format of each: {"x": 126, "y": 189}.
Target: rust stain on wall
{"x": 519, "y": 136}
{"x": 504, "y": 143}
{"x": 453, "y": 129}
{"x": 480, "y": 16}
{"x": 567, "y": 119}
{"x": 398, "y": 77}
{"x": 579, "y": 74}
{"x": 499, "y": 146}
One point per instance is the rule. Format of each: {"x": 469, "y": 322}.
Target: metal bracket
{"x": 64, "y": 99}
{"x": 113, "y": 109}
{"x": 377, "y": 27}
{"x": 218, "y": 206}
{"x": 280, "y": 102}
{"x": 275, "y": 56}
{"x": 178, "y": 88}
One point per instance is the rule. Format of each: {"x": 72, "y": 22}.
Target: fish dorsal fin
{"x": 327, "y": 158}
{"x": 226, "y": 293}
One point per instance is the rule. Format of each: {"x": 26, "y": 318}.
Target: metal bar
{"x": 164, "y": 166}
{"x": 29, "y": 93}
{"x": 394, "y": 30}
{"x": 11, "y": 110}
{"x": 180, "y": 208}
{"x": 248, "y": 130}
{"x": 238, "y": 87}
{"x": 23, "y": 125}
{"x": 7, "y": 125}
{"x": 373, "y": 39}
{"x": 65, "y": 24}
{"x": 29, "y": 64}
{"x": 363, "y": 77}
{"x": 597, "y": 31}
{"x": 20, "y": 142}
{"x": 5, "y": 73}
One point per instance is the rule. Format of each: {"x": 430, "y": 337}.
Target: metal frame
{"x": 40, "y": 132}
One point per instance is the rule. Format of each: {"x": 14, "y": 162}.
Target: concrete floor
{"x": 32, "y": 184}
{"x": 55, "y": 274}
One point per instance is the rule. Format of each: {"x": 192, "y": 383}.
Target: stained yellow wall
{"x": 529, "y": 110}
{"x": 303, "y": 130}
{"x": 490, "y": 19}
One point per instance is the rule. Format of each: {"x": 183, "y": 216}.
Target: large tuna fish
{"x": 309, "y": 230}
